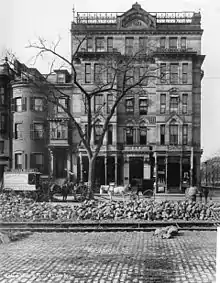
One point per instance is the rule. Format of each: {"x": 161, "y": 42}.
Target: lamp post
{"x": 206, "y": 174}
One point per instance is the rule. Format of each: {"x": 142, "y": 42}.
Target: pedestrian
{"x": 206, "y": 193}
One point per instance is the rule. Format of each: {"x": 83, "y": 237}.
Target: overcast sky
{"x": 22, "y": 21}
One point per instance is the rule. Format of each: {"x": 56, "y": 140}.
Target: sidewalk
{"x": 109, "y": 257}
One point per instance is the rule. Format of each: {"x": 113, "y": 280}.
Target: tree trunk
{"x": 91, "y": 177}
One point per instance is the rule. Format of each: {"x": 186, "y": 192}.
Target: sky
{"x": 23, "y": 21}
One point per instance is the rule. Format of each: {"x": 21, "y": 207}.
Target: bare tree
{"x": 115, "y": 74}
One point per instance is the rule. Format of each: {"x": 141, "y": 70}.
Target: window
{"x": 18, "y": 160}
{"x": 3, "y": 123}
{"x": 130, "y": 77}
{"x": 2, "y": 95}
{"x": 174, "y": 73}
{"x": 129, "y": 135}
{"x": 100, "y": 47}
{"x": 37, "y": 104}
{"x": 85, "y": 104}
{"x": 59, "y": 130}
{"x": 18, "y": 104}
{"x": 98, "y": 102}
{"x": 129, "y": 105}
{"x": 163, "y": 72}
{"x": 183, "y": 43}
{"x": 109, "y": 102}
{"x": 37, "y": 131}
{"x": 110, "y": 44}
{"x": 129, "y": 45}
{"x": 185, "y": 134}
{"x": 185, "y": 73}
{"x": 63, "y": 102}
{"x": 97, "y": 133}
{"x": 143, "y": 135}
{"x": 37, "y": 161}
{"x": 143, "y": 75}
{"x": 142, "y": 44}
{"x": 173, "y": 134}
{"x": 18, "y": 133}
{"x": 1, "y": 147}
{"x": 163, "y": 42}
{"x": 110, "y": 74}
{"x": 174, "y": 102}
{"x": 110, "y": 132}
{"x": 162, "y": 134}
{"x": 89, "y": 44}
{"x": 173, "y": 42}
{"x": 61, "y": 78}
{"x": 185, "y": 103}
{"x": 87, "y": 73}
{"x": 143, "y": 105}
{"x": 98, "y": 73}
{"x": 162, "y": 103}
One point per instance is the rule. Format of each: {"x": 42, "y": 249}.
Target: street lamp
{"x": 206, "y": 174}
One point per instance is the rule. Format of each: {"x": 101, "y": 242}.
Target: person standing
{"x": 206, "y": 193}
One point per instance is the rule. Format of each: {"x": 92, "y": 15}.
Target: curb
{"x": 106, "y": 226}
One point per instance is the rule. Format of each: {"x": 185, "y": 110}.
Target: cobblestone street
{"x": 109, "y": 257}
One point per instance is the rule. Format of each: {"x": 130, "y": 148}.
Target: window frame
{"x": 142, "y": 141}
{"x": 110, "y": 134}
{"x": 18, "y": 133}
{"x": 2, "y": 95}
{"x": 129, "y": 45}
{"x": 129, "y": 135}
{"x": 143, "y": 109}
{"x": 185, "y": 73}
{"x": 89, "y": 44}
{"x": 100, "y": 44}
{"x": 98, "y": 102}
{"x": 162, "y": 134}
{"x": 163, "y": 98}
{"x": 174, "y": 73}
{"x": 173, "y": 40}
{"x": 129, "y": 109}
{"x": 174, "y": 104}
{"x": 173, "y": 134}
{"x": 185, "y": 134}
{"x": 18, "y": 165}
{"x": 185, "y": 97}
{"x": 110, "y": 44}
{"x": 88, "y": 73}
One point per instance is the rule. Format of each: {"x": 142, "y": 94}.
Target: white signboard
{"x": 18, "y": 182}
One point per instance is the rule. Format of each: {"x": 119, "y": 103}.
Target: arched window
{"x": 142, "y": 133}
{"x": 129, "y": 134}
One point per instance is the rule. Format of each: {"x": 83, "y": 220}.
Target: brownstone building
{"x": 155, "y": 134}
{"x": 5, "y": 118}
{"x": 41, "y": 138}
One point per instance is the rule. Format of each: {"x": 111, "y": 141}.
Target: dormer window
{"x": 61, "y": 78}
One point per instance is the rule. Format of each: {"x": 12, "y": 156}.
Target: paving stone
{"x": 109, "y": 257}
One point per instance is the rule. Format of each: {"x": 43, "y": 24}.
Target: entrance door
{"x": 173, "y": 177}
{"x": 61, "y": 163}
{"x": 136, "y": 168}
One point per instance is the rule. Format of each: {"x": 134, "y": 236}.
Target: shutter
{"x": 31, "y": 103}
{"x": 24, "y": 103}
{"x": 31, "y": 131}
{"x": 32, "y": 161}
{"x": 12, "y": 104}
{"x": 45, "y": 104}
